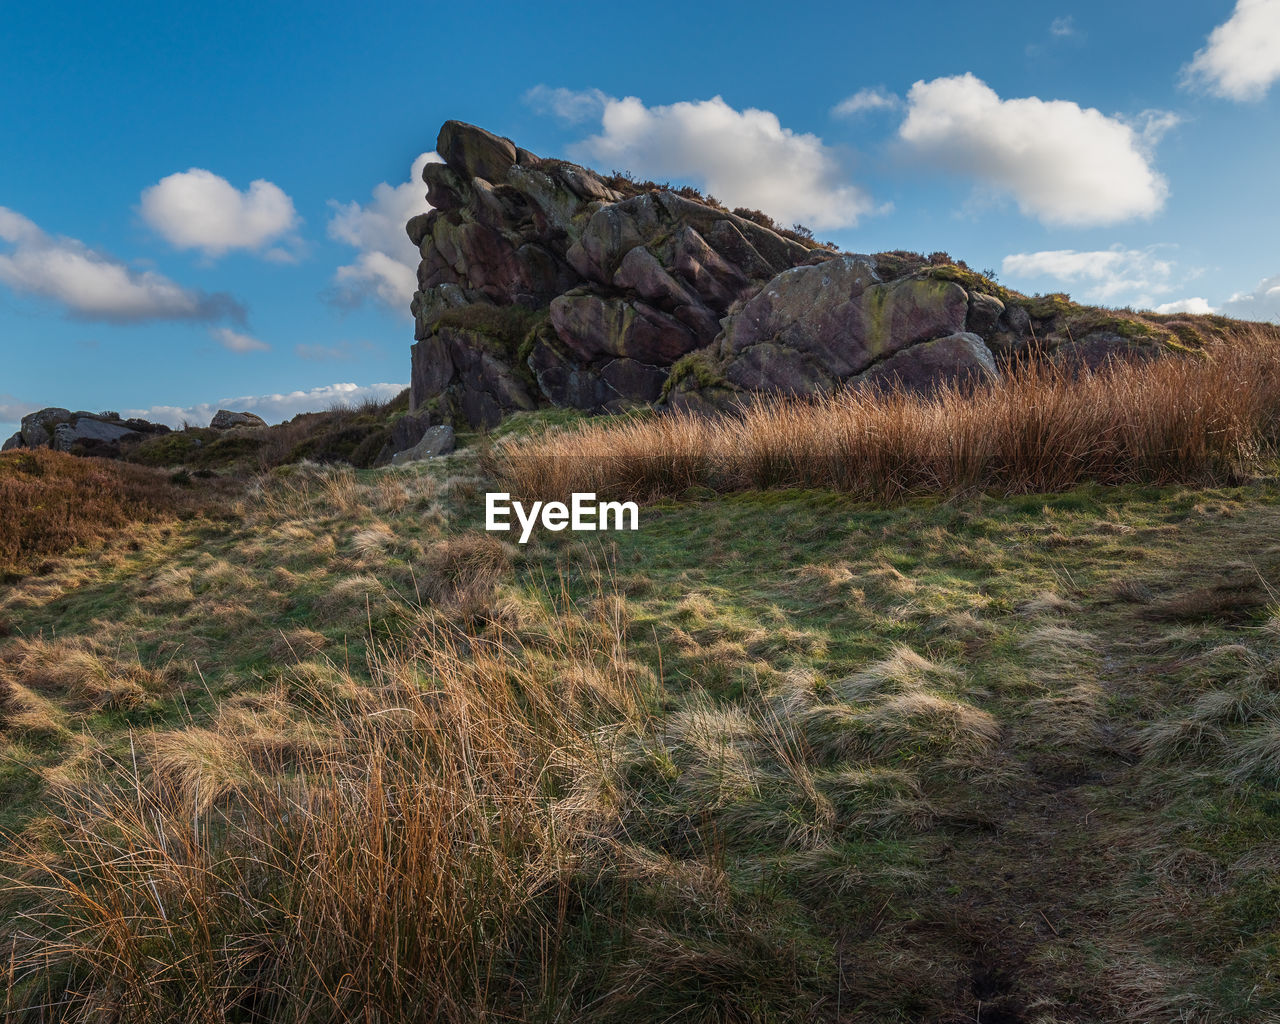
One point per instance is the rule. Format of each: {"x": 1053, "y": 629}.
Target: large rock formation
{"x": 103, "y": 434}
{"x": 543, "y": 283}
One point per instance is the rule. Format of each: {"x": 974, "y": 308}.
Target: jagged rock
{"x": 623, "y": 282}
{"x": 437, "y": 440}
{"x": 958, "y": 359}
{"x": 474, "y": 152}
{"x": 644, "y": 278}
{"x": 224, "y": 419}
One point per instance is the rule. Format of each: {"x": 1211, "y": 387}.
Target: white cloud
{"x": 1106, "y": 275}
{"x": 743, "y": 157}
{"x": 1063, "y": 26}
{"x": 567, "y": 105}
{"x": 12, "y": 410}
{"x": 197, "y": 209}
{"x": 1242, "y": 56}
{"x": 1062, "y": 163}
{"x": 1192, "y": 305}
{"x": 93, "y": 285}
{"x": 272, "y": 408}
{"x": 237, "y": 342}
{"x": 1261, "y": 303}
{"x": 876, "y": 98}
{"x": 386, "y": 267}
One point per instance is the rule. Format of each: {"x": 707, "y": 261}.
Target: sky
{"x": 203, "y": 206}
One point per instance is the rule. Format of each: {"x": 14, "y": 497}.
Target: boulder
{"x": 958, "y": 359}
{"x": 224, "y": 419}
{"x": 92, "y": 434}
{"x": 985, "y": 312}
{"x": 474, "y": 152}
{"x": 437, "y": 440}
{"x": 1094, "y": 351}
{"x": 592, "y": 326}
{"x": 13, "y": 442}
{"x": 630, "y": 378}
{"x": 408, "y": 430}
{"x": 37, "y": 427}
{"x": 813, "y": 326}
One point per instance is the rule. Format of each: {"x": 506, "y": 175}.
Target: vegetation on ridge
{"x": 1040, "y": 428}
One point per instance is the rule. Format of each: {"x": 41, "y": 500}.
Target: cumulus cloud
{"x": 386, "y": 267}
{"x": 272, "y": 408}
{"x": 1260, "y": 303}
{"x": 1192, "y": 305}
{"x": 197, "y": 209}
{"x": 1242, "y": 55}
{"x": 237, "y": 342}
{"x": 1065, "y": 26}
{"x": 863, "y": 100}
{"x": 743, "y": 157}
{"x": 1105, "y": 275}
{"x": 1062, "y": 163}
{"x": 567, "y": 105}
{"x": 93, "y": 285}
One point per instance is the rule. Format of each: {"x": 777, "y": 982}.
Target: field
{"x": 311, "y": 746}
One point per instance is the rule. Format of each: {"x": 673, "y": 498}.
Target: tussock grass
{"x": 399, "y": 866}
{"x": 1202, "y": 420}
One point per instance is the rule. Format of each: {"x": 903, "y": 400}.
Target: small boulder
{"x": 13, "y": 442}
{"x": 438, "y": 440}
{"x": 224, "y": 420}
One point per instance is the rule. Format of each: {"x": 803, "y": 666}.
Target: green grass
{"x": 988, "y": 755}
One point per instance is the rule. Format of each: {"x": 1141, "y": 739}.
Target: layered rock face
{"x": 543, "y": 283}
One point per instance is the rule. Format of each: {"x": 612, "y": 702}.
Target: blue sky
{"x": 202, "y": 206}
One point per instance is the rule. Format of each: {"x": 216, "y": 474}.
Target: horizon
{"x": 242, "y": 245}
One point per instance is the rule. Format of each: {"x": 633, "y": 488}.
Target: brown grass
{"x": 51, "y": 502}
{"x": 1203, "y": 420}
{"x": 404, "y": 858}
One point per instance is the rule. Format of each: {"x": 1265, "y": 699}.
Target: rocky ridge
{"x": 103, "y": 434}
{"x": 543, "y": 283}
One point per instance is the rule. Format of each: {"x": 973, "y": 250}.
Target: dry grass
{"x": 1201, "y": 420}
{"x": 404, "y": 857}
{"x": 51, "y": 502}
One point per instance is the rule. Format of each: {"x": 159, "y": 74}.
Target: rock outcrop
{"x": 542, "y": 282}
{"x": 224, "y": 419}
{"x": 81, "y": 433}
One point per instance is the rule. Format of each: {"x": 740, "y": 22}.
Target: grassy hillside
{"x": 327, "y": 751}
